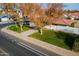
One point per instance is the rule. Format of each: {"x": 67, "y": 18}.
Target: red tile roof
{"x": 74, "y": 14}
{"x": 62, "y": 21}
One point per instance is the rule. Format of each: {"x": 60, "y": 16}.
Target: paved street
{"x": 3, "y": 53}
{"x": 14, "y": 49}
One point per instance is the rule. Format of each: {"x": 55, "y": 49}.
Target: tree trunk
{"x": 41, "y": 31}
{"x": 21, "y": 28}
{"x": 21, "y": 25}
{"x": 76, "y": 45}
{"x": 15, "y": 23}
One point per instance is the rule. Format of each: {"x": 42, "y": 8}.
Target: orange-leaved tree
{"x": 54, "y": 10}
{"x": 36, "y": 14}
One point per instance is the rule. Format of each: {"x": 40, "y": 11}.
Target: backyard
{"x": 57, "y": 38}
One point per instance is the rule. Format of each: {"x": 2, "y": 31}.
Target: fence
{"x": 63, "y": 28}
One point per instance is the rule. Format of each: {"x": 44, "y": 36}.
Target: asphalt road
{"x": 14, "y": 49}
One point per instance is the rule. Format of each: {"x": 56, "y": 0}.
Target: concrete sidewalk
{"x": 29, "y": 32}
{"x": 24, "y": 36}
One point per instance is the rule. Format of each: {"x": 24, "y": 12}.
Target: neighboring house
{"x": 75, "y": 15}
{"x": 76, "y": 24}
{"x": 64, "y": 25}
{"x": 62, "y": 21}
{"x": 27, "y": 21}
{"x": 5, "y": 18}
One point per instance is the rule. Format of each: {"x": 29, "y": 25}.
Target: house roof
{"x": 5, "y": 15}
{"x": 62, "y": 21}
{"x": 73, "y": 14}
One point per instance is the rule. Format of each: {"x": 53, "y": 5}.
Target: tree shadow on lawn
{"x": 69, "y": 39}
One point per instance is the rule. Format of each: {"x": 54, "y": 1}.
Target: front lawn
{"x": 60, "y": 39}
{"x": 17, "y": 29}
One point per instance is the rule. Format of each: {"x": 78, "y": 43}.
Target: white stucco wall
{"x": 4, "y": 19}
{"x": 63, "y": 28}
{"x": 31, "y": 24}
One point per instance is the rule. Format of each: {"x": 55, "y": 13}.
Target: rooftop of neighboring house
{"x": 73, "y": 14}
{"x": 62, "y": 21}
{"x": 5, "y": 15}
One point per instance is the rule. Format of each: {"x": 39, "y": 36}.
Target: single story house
{"x": 72, "y": 15}
{"x": 27, "y": 21}
{"x": 62, "y": 21}
{"x": 4, "y": 18}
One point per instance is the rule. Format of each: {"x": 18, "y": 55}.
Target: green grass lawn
{"x": 60, "y": 39}
{"x": 17, "y": 29}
